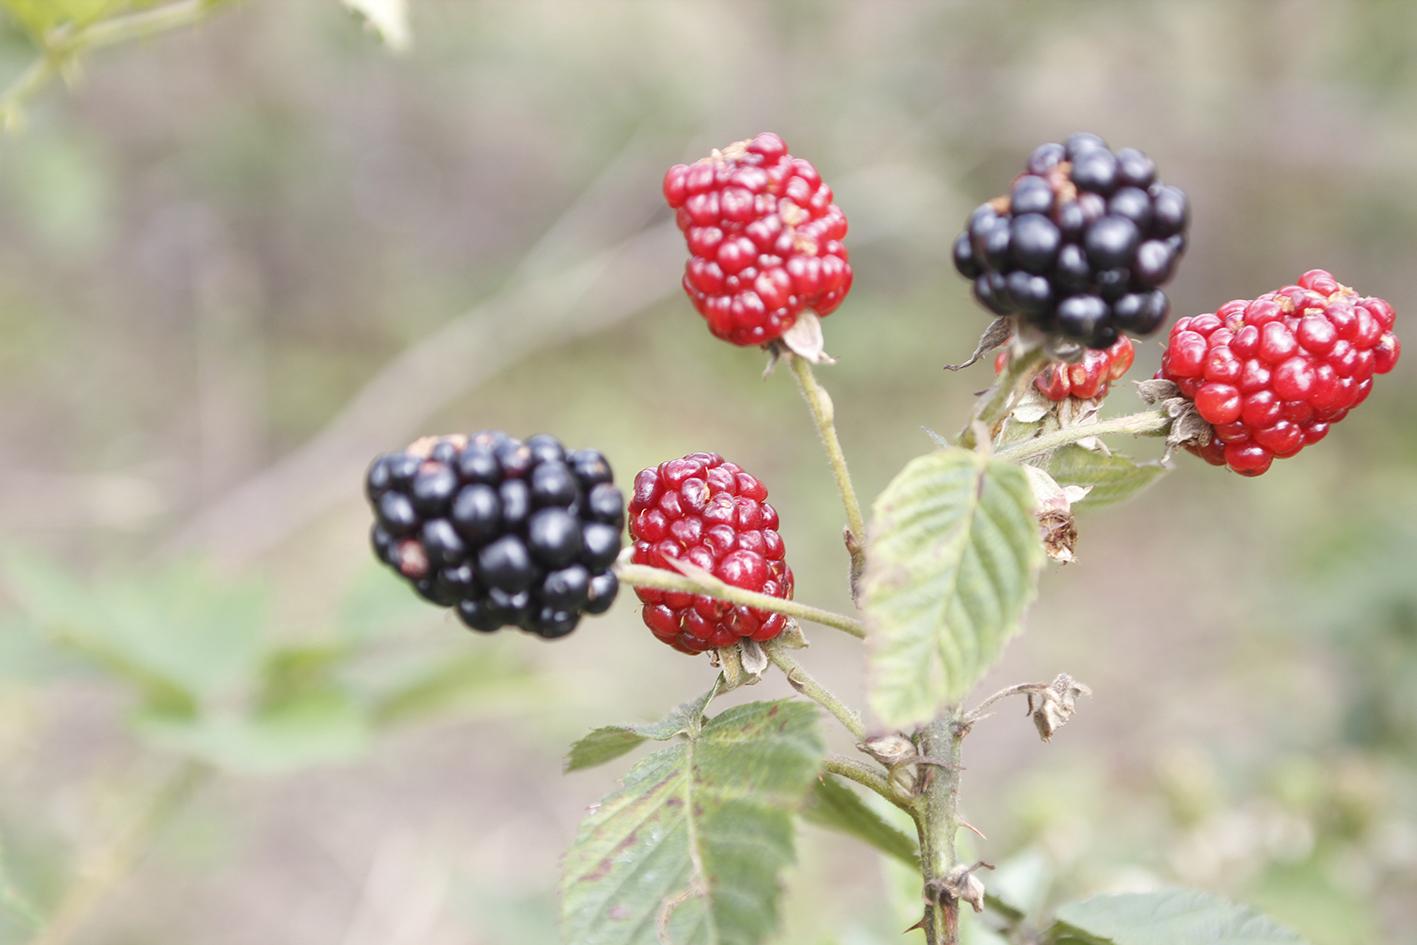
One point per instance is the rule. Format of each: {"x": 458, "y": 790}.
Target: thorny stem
{"x": 937, "y": 821}
{"x": 62, "y": 44}
{"x": 639, "y": 575}
{"x": 824, "y": 415}
{"x": 805, "y": 683}
{"x": 866, "y": 776}
{"x": 110, "y": 864}
{"x": 997, "y": 401}
{"x": 1146, "y": 423}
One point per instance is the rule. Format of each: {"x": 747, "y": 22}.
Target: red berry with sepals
{"x": 1087, "y": 379}
{"x": 708, "y": 513}
{"x": 764, "y": 239}
{"x": 1271, "y": 375}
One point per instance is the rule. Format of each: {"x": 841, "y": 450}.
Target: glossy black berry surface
{"x": 505, "y": 532}
{"x": 1080, "y": 245}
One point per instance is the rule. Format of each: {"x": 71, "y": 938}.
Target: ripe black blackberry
{"x": 1080, "y": 245}
{"x": 505, "y": 531}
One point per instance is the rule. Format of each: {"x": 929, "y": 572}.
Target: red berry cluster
{"x": 764, "y": 239}
{"x": 711, "y": 514}
{"x": 1273, "y": 374}
{"x": 1088, "y": 379}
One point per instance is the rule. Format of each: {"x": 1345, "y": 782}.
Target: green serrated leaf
{"x": 689, "y": 849}
{"x": 611, "y": 741}
{"x": 1113, "y": 477}
{"x": 835, "y": 806}
{"x": 1167, "y": 917}
{"x": 953, "y": 560}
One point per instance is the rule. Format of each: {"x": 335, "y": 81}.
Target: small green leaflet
{"x": 611, "y": 741}
{"x": 688, "y": 851}
{"x": 1167, "y": 917}
{"x": 953, "y": 559}
{"x": 1111, "y": 476}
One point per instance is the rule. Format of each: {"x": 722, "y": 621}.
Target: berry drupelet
{"x": 764, "y": 239}
{"x": 1080, "y": 246}
{"x": 1272, "y": 375}
{"x": 505, "y": 531}
{"x": 1088, "y": 379}
{"x": 709, "y": 513}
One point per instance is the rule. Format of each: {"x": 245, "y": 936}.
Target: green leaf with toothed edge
{"x": 952, "y": 560}
{"x": 1112, "y": 477}
{"x": 689, "y": 849}
{"x": 833, "y": 805}
{"x": 1166, "y": 917}
{"x": 611, "y": 741}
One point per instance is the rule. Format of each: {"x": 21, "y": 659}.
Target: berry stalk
{"x": 639, "y": 575}
{"x": 1145, "y": 423}
{"x": 805, "y": 683}
{"x": 824, "y": 416}
{"x": 1010, "y": 385}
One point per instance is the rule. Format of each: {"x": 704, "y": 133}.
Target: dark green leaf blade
{"x": 835, "y": 806}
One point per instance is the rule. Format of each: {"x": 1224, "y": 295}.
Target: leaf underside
{"x": 1167, "y": 917}
{"x": 953, "y": 561}
{"x": 1113, "y": 477}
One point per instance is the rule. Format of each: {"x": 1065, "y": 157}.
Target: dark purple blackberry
{"x": 1081, "y": 244}
{"x": 508, "y": 533}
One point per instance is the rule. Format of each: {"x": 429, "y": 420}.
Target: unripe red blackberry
{"x": 764, "y": 239}
{"x": 709, "y": 513}
{"x": 1272, "y": 375}
{"x": 1080, "y": 245}
{"x": 1087, "y": 379}
{"x": 506, "y": 532}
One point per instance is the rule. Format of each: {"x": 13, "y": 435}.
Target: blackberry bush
{"x": 1080, "y": 245}
{"x": 527, "y": 534}
{"x": 507, "y": 533}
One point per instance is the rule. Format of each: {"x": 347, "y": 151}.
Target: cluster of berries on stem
{"x": 1088, "y": 378}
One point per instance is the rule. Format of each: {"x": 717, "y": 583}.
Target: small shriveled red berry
{"x": 1088, "y": 379}
{"x": 707, "y": 512}
{"x": 1271, "y": 375}
{"x": 764, "y": 239}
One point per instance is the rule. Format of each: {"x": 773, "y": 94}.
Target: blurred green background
{"x": 237, "y": 261}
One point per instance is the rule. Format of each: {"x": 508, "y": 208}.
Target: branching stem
{"x": 999, "y": 399}
{"x": 868, "y": 777}
{"x": 639, "y": 575}
{"x": 937, "y": 820}
{"x": 1145, "y": 423}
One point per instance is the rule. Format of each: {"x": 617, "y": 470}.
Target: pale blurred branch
{"x": 60, "y": 47}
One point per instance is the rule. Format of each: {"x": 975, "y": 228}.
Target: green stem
{"x": 866, "y": 776}
{"x": 937, "y": 820}
{"x": 112, "y": 863}
{"x": 1146, "y": 423}
{"x": 999, "y": 399}
{"x": 64, "y": 43}
{"x": 824, "y": 416}
{"x": 639, "y": 575}
{"x": 805, "y": 683}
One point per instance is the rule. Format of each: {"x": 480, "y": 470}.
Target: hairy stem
{"x": 979, "y": 711}
{"x": 937, "y": 820}
{"x": 868, "y": 777}
{"x": 824, "y": 416}
{"x": 109, "y": 865}
{"x": 805, "y": 683}
{"x": 1146, "y": 423}
{"x": 639, "y": 575}
{"x": 999, "y": 399}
